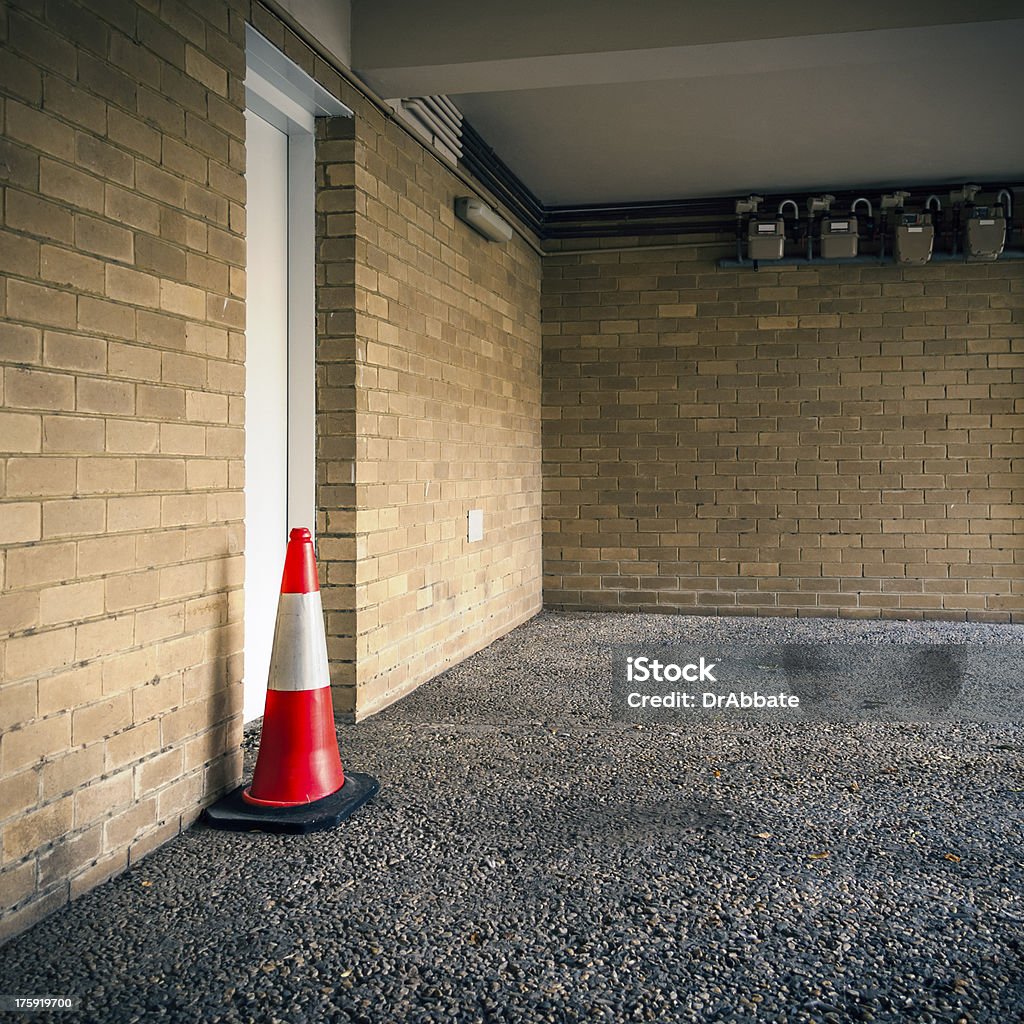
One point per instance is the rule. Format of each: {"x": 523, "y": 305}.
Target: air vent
{"x": 436, "y": 120}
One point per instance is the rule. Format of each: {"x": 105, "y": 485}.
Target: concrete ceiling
{"x": 605, "y": 101}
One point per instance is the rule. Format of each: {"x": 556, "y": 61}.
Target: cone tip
{"x": 299, "y": 564}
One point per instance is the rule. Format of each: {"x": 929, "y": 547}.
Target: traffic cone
{"x": 298, "y": 760}
{"x": 299, "y": 784}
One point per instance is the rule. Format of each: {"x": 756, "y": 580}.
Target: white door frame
{"x": 282, "y": 94}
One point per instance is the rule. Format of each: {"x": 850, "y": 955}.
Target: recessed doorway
{"x": 280, "y": 394}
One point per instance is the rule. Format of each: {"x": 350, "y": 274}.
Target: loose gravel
{"x": 531, "y": 860}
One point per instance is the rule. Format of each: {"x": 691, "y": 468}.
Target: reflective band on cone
{"x": 298, "y": 762}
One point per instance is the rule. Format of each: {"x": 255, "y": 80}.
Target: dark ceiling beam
{"x": 706, "y": 216}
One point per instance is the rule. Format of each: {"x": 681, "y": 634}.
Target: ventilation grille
{"x": 436, "y": 120}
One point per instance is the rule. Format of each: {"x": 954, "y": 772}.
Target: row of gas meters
{"x": 978, "y": 230}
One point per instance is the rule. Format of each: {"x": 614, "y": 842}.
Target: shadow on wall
{"x": 219, "y": 747}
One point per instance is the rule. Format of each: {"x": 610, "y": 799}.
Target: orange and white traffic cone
{"x": 299, "y": 784}
{"x": 298, "y": 760}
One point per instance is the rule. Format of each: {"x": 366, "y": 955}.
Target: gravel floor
{"x": 528, "y": 859}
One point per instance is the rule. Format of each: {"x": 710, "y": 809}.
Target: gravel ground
{"x": 529, "y": 859}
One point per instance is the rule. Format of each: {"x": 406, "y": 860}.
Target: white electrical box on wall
{"x": 476, "y": 525}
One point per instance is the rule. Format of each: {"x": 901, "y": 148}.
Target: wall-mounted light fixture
{"x": 479, "y": 216}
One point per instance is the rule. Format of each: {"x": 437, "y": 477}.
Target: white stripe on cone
{"x": 299, "y": 658}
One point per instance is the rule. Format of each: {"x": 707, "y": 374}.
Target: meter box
{"x": 914, "y": 237}
{"x": 766, "y": 239}
{"x": 838, "y": 238}
{"x": 984, "y": 233}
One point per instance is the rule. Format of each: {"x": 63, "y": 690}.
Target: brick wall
{"x": 448, "y": 417}
{"x": 800, "y": 441}
{"x": 120, "y": 433}
{"x": 122, "y": 416}
{"x": 429, "y": 406}
{"x": 337, "y": 363}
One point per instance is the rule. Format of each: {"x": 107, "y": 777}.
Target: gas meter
{"x": 914, "y": 237}
{"x": 766, "y": 238}
{"x": 838, "y": 237}
{"x": 985, "y": 232}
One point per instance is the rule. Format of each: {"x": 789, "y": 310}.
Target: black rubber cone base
{"x": 234, "y": 814}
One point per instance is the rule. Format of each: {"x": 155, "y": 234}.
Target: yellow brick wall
{"x": 448, "y": 404}
{"x": 121, "y": 434}
{"x": 429, "y": 406}
{"x": 336, "y": 397}
{"x": 122, "y": 415}
{"x": 798, "y": 441}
